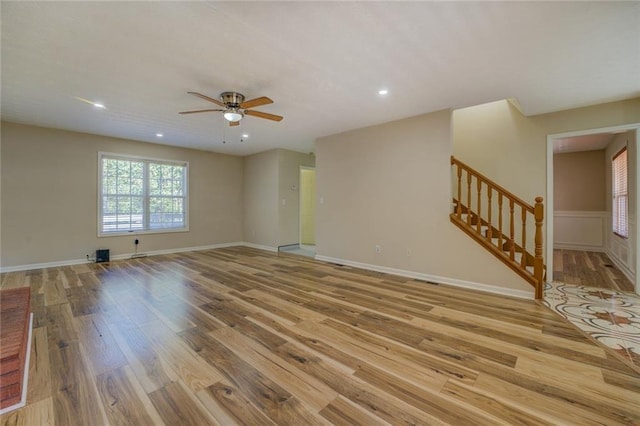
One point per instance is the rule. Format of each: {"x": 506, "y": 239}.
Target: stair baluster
{"x": 512, "y": 231}
{"x": 468, "y": 198}
{"x": 458, "y": 205}
{"x": 478, "y": 224}
{"x": 500, "y": 246}
{"x": 523, "y": 260}
{"x": 538, "y": 261}
{"x": 474, "y": 224}
{"x": 490, "y": 230}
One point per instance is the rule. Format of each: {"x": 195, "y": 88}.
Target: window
{"x": 141, "y": 195}
{"x": 620, "y": 196}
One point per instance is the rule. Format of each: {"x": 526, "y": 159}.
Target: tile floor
{"x": 608, "y": 316}
{"x": 301, "y": 249}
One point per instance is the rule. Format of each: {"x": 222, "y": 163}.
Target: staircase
{"x": 497, "y": 220}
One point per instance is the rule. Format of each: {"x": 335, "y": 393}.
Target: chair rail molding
{"x": 580, "y": 230}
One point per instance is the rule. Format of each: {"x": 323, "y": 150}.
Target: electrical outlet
{"x": 378, "y": 249}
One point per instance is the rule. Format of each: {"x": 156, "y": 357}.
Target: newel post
{"x": 538, "y": 261}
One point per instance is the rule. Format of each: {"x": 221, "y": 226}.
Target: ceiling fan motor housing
{"x": 232, "y": 99}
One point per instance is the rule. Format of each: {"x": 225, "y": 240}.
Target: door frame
{"x": 551, "y": 138}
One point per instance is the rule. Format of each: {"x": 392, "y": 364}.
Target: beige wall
{"x": 49, "y": 196}
{"x": 499, "y": 142}
{"x": 579, "y": 181}
{"x": 387, "y": 185}
{"x": 289, "y": 194}
{"x": 261, "y": 174}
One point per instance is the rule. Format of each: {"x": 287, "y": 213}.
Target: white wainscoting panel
{"x": 580, "y": 230}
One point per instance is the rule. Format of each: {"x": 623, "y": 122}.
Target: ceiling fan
{"x": 234, "y": 107}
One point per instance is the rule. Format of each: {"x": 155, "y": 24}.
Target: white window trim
{"x": 185, "y": 228}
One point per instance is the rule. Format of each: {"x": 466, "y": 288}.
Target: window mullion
{"x": 145, "y": 194}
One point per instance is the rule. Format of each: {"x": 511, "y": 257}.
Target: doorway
{"x": 580, "y": 244}
{"x": 308, "y": 208}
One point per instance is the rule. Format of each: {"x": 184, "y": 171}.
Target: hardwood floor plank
{"x": 190, "y": 367}
{"x": 237, "y": 407}
{"x": 307, "y": 389}
{"x": 39, "y": 386}
{"x": 102, "y": 351}
{"x": 121, "y": 402}
{"x": 75, "y": 398}
{"x": 54, "y": 293}
{"x": 369, "y": 397}
{"x": 342, "y": 412}
{"x": 432, "y": 402}
{"x": 277, "y": 403}
{"x": 406, "y": 355}
{"x": 231, "y": 313}
{"x": 60, "y": 327}
{"x": 176, "y": 407}
{"x": 346, "y": 362}
{"x": 507, "y": 411}
{"x": 38, "y": 413}
{"x": 150, "y": 370}
{"x": 553, "y": 410}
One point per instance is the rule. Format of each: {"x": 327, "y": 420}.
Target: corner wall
{"x": 272, "y": 197}
{"x": 389, "y": 185}
{"x": 260, "y": 194}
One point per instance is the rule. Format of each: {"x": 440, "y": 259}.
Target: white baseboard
{"x": 579, "y": 247}
{"x": 620, "y": 265}
{"x": 259, "y": 247}
{"x": 433, "y": 278}
{"x": 70, "y": 262}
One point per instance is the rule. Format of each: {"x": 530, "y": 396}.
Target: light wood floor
{"x": 591, "y": 269}
{"x": 241, "y": 336}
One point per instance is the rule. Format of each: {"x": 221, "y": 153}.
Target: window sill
{"x": 142, "y": 232}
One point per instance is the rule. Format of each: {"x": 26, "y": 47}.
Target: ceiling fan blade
{"x": 252, "y": 103}
{"x": 264, "y": 115}
{"x": 234, "y": 123}
{"x": 206, "y": 98}
{"x": 199, "y": 110}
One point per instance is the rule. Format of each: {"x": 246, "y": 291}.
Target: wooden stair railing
{"x": 508, "y": 242}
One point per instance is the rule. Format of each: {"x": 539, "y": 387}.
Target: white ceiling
{"x": 321, "y": 62}
{"x": 592, "y": 142}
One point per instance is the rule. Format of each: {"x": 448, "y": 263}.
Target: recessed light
{"x": 159, "y": 135}
{"x": 86, "y": 101}
{"x": 244, "y": 135}
{"x": 383, "y": 92}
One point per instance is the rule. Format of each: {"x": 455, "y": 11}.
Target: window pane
{"x": 619, "y": 190}
{"x": 131, "y": 186}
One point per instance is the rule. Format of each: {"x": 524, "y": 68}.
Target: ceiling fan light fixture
{"x": 233, "y": 116}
